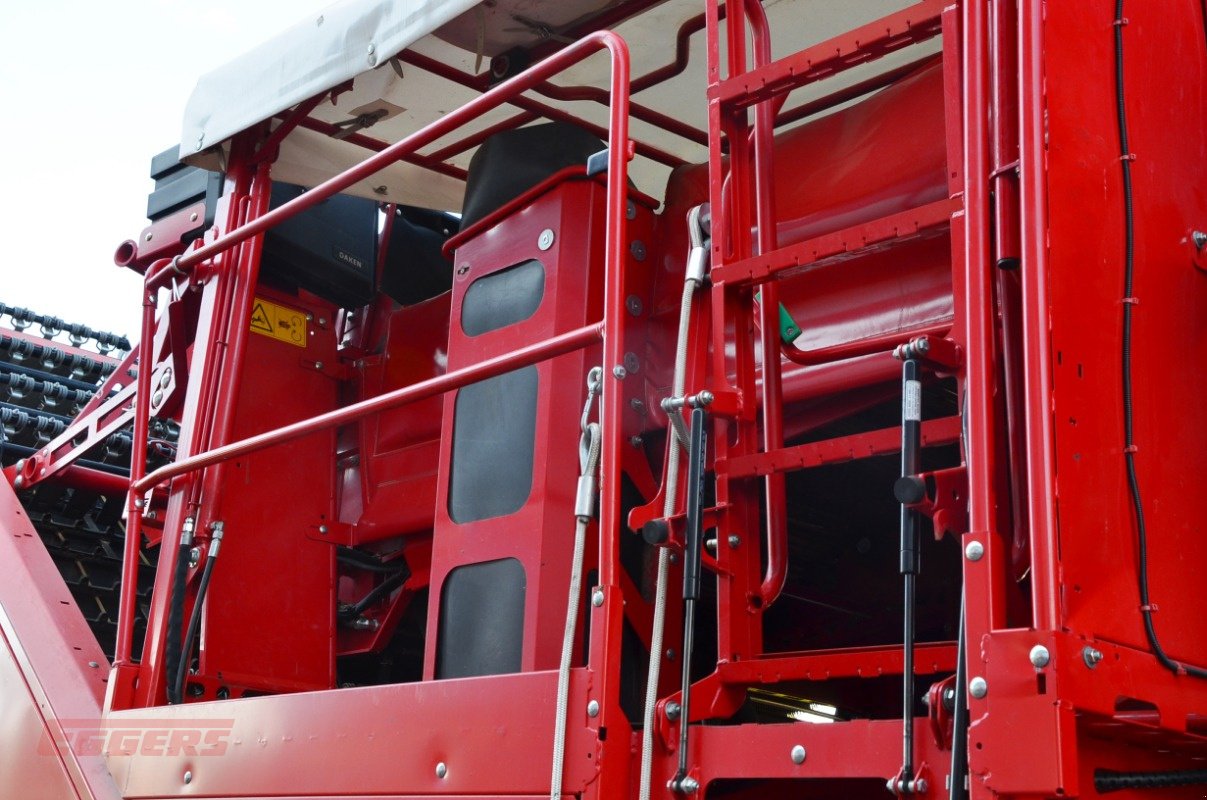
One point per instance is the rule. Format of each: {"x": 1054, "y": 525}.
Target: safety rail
{"x": 162, "y": 273}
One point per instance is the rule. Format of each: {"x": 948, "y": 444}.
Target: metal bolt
{"x": 637, "y": 248}
{"x": 631, "y": 362}
{"x": 920, "y": 786}
{"x": 365, "y": 624}
{"x": 672, "y": 711}
{"x": 194, "y": 557}
{"x": 464, "y": 268}
{"x": 637, "y": 405}
{"x": 165, "y": 378}
{"x": 593, "y": 708}
{"x": 798, "y": 754}
{"x": 689, "y": 785}
{"x": 978, "y": 687}
{"x": 193, "y": 217}
{"x": 545, "y": 240}
{"x": 1200, "y": 239}
{"x": 188, "y": 776}
{"x": 372, "y": 48}
{"x": 200, "y": 140}
{"x": 1039, "y": 656}
{"x": 634, "y": 305}
{"x": 734, "y": 540}
{"x": 670, "y": 654}
{"x": 318, "y": 365}
{"x": 157, "y": 398}
{"x": 1091, "y": 656}
{"x": 323, "y": 529}
{"x": 138, "y": 503}
{"x": 974, "y": 551}
{"x": 441, "y": 770}
{"x": 674, "y": 558}
{"x": 636, "y": 440}
{"x": 150, "y": 236}
{"x": 630, "y": 210}
{"x": 93, "y": 664}
{"x": 18, "y": 482}
{"x": 597, "y": 598}
{"x": 619, "y": 372}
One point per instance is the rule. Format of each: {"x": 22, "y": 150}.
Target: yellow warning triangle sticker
{"x": 259, "y": 319}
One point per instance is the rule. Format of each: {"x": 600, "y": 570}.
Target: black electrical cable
{"x": 1129, "y": 454}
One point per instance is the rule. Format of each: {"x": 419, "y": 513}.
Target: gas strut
{"x": 692, "y": 542}
{"x": 909, "y": 489}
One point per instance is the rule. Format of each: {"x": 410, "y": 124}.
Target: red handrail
{"x": 619, "y": 153}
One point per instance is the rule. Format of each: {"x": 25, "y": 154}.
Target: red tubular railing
{"x": 523, "y": 357}
{"x": 769, "y": 308}
{"x": 619, "y": 153}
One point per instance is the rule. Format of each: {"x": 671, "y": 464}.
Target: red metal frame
{"x": 1050, "y": 623}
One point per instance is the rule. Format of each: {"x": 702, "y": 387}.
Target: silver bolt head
{"x": 593, "y": 708}
{"x": 672, "y": 711}
{"x": 18, "y": 482}
{"x": 597, "y": 598}
{"x": 798, "y": 754}
{"x": 1039, "y": 656}
{"x": 188, "y": 776}
{"x": 1091, "y": 656}
{"x": 157, "y": 398}
{"x": 734, "y": 540}
{"x": 974, "y": 551}
{"x": 619, "y": 372}
{"x": 545, "y": 240}
{"x": 978, "y": 687}
{"x": 689, "y": 785}
{"x": 94, "y": 664}
{"x": 920, "y": 786}
{"x": 441, "y": 770}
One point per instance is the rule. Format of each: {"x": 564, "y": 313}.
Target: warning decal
{"x": 279, "y": 322}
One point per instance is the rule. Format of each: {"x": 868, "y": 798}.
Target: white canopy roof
{"x": 357, "y": 39}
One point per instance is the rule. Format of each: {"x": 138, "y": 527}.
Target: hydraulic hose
{"x": 697, "y": 262}
{"x": 190, "y": 636}
{"x": 172, "y": 647}
{"x": 584, "y": 510}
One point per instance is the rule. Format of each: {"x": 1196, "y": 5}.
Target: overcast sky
{"x": 88, "y": 93}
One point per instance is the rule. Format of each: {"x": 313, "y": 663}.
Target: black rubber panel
{"x": 494, "y": 430}
{"x": 177, "y": 186}
{"x": 481, "y": 620}
{"x": 503, "y": 298}
{"x": 329, "y": 249}
{"x": 415, "y": 268}
{"x": 511, "y": 162}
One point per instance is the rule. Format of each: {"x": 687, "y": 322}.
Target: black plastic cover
{"x": 510, "y": 163}
{"x": 415, "y": 268}
{"x": 329, "y": 250}
{"x": 481, "y": 620}
{"x": 494, "y": 435}
{"x": 503, "y": 298}
{"x": 179, "y": 186}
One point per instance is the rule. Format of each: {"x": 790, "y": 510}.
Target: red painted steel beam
{"x": 866, "y": 43}
{"x": 930, "y": 658}
{"x": 853, "y": 91}
{"x": 455, "y": 75}
{"x": 883, "y": 442}
{"x": 377, "y": 146}
{"x": 913, "y": 223}
{"x": 522, "y": 357}
{"x": 460, "y": 146}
